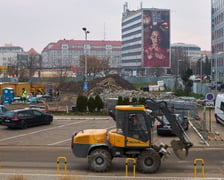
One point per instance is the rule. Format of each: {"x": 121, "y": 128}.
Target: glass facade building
{"x": 217, "y": 30}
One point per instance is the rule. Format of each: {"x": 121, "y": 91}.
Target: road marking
{"x": 35, "y": 132}
{"x": 59, "y": 142}
{"x": 198, "y": 133}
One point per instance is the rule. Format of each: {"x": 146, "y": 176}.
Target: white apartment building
{"x": 66, "y": 53}
{"x": 9, "y": 55}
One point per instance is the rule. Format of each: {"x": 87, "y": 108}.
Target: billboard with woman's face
{"x": 156, "y": 25}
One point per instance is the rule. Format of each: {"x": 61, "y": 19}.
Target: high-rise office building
{"x": 145, "y": 41}
{"x": 217, "y": 28}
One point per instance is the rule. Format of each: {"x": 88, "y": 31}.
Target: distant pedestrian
{"x": 57, "y": 93}
{"x": 24, "y": 95}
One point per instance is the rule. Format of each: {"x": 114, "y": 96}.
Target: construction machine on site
{"x": 132, "y": 138}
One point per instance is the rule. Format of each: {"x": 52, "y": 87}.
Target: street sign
{"x": 209, "y": 97}
{"x": 209, "y": 103}
{"x": 85, "y": 85}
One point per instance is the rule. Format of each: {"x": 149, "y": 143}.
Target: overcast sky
{"x": 35, "y": 23}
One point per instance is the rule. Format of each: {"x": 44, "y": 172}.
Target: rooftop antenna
{"x": 125, "y": 8}
{"x": 104, "y": 31}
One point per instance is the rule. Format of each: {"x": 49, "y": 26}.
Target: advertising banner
{"x": 156, "y": 24}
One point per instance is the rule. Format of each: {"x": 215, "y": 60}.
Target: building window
{"x": 64, "y": 46}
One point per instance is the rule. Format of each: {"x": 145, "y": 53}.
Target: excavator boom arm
{"x": 182, "y": 146}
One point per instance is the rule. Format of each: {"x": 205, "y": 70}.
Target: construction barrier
{"x": 126, "y": 166}
{"x": 202, "y": 167}
{"x": 58, "y": 165}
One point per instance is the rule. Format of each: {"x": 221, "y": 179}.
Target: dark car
{"x": 24, "y": 118}
{"x": 3, "y": 110}
{"x": 220, "y": 85}
{"x": 164, "y": 127}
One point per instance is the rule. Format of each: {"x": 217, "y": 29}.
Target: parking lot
{"x": 60, "y": 131}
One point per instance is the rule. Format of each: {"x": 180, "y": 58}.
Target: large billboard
{"x": 156, "y": 24}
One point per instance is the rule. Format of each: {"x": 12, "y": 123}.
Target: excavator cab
{"x": 133, "y": 123}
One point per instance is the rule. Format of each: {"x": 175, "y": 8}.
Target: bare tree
{"x": 27, "y": 65}
{"x": 94, "y": 65}
{"x": 34, "y": 63}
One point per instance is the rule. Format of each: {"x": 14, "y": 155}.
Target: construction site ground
{"x": 111, "y": 86}
{"x": 69, "y": 92}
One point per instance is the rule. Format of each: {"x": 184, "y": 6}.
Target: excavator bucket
{"x": 180, "y": 149}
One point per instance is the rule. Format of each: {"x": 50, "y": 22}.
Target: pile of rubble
{"x": 97, "y": 86}
{"x": 111, "y": 86}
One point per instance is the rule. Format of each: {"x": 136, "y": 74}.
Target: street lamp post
{"x": 201, "y": 69}
{"x": 216, "y": 73}
{"x": 85, "y": 49}
{"x": 177, "y": 73}
{"x": 178, "y": 68}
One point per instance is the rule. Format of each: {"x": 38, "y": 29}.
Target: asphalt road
{"x": 43, "y": 160}
{"x": 35, "y": 150}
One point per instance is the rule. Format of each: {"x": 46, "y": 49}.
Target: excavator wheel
{"x": 179, "y": 149}
{"x": 99, "y": 160}
{"x": 148, "y": 161}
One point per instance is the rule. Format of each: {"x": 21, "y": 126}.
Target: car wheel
{"x": 158, "y": 133}
{"x": 47, "y": 120}
{"x": 148, "y": 161}
{"x": 24, "y": 125}
{"x": 99, "y": 160}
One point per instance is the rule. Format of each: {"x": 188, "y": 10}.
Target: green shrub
{"x": 98, "y": 103}
{"x": 91, "y": 104}
{"x": 81, "y": 103}
{"x": 120, "y": 100}
{"x": 141, "y": 100}
{"x": 126, "y": 101}
{"x": 134, "y": 100}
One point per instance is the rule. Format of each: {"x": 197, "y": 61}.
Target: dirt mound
{"x": 97, "y": 86}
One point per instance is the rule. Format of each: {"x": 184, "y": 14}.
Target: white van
{"x": 219, "y": 108}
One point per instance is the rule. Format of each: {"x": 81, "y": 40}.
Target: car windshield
{"x": 164, "y": 119}
{"x": 10, "y": 114}
{"x": 179, "y": 117}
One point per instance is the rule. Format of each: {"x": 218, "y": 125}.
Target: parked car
{"x": 220, "y": 85}
{"x": 219, "y": 108}
{"x": 24, "y": 118}
{"x": 3, "y": 110}
{"x": 164, "y": 127}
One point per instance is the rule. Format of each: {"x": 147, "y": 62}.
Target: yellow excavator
{"x": 130, "y": 139}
